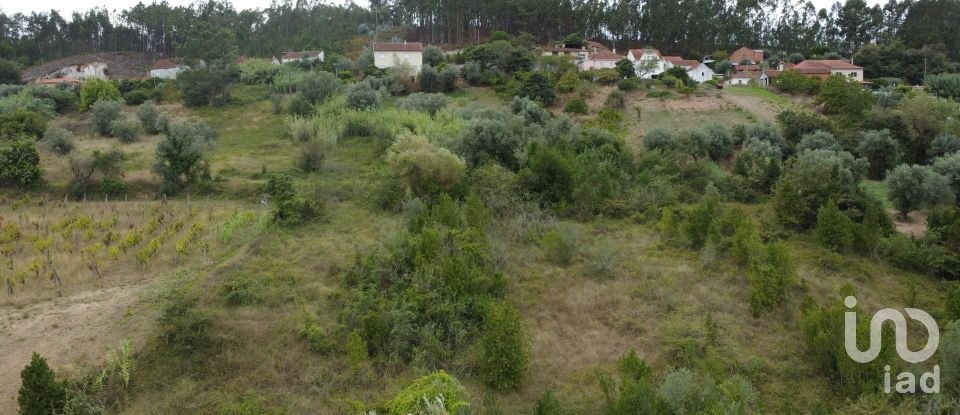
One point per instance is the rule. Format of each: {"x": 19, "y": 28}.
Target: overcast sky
{"x": 67, "y": 7}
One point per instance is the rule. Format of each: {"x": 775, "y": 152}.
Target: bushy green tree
{"x": 538, "y": 88}
{"x": 795, "y": 124}
{"x": 104, "y": 113}
{"x": 487, "y": 139}
{"x": 913, "y": 187}
{"x": 204, "y": 87}
{"x": 9, "y": 72}
{"x": 317, "y": 87}
{"x": 433, "y": 56}
{"x": 561, "y": 245}
{"x": 626, "y": 69}
{"x": 40, "y": 393}
{"x": 794, "y": 82}
{"x": 944, "y": 144}
{"x": 96, "y": 89}
{"x": 126, "y": 129}
{"x": 925, "y": 118}
{"x": 58, "y": 140}
{"x": 472, "y": 72}
{"x": 819, "y": 140}
{"x": 448, "y": 78}
{"x": 19, "y": 162}
{"x": 149, "y": 117}
{"x": 759, "y": 164}
{"x": 504, "y": 348}
{"x": 181, "y": 155}
{"x": 945, "y": 85}
{"x": 550, "y": 174}
{"x": 949, "y": 167}
{"x": 810, "y": 180}
{"x": 834, "y": 229}
{"x": 880, "y": 150}
{"x": 429, "y": 79}
{"x": 843, "y": 96}
{"x": 22, "y": 123}
{"x": 362, "y": 96}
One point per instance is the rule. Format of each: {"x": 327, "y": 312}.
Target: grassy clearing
{"x": 878, "y": 190}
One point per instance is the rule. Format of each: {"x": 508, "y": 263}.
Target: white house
{"x": 601, "y": 60}
{"x": 307, "y": 56}
{"x": 166, "y": 69}
{"x": 648, "y": 61}
{"x": 742, "y": 78}
{"x": 389, "y": 55}
{"x": 766, "y": 78}
{"x": 700, "y": 72}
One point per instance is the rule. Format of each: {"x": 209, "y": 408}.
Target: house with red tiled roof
{"x": 579, "y": 55}
{"x": 392, "y": 54}
{"x": 648, "y": 62}
{"x": 753, "y": 56}
{"x": 166, "y": 69}
{"x": 748, "y": 68}
{"x": 824, "y": 68}
{"x": 601, "y": 60}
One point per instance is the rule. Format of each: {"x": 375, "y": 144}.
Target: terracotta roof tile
{"x": 398, "y": 47}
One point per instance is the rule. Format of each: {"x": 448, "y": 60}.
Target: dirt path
{"x": 72, "y": 333}
{"x": 762, "y": 110}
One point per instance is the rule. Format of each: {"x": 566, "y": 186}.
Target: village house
{"x": 166, "y": 69}
{"x": 766, "y": 77}
{"x": 745, "y": 54}
{"x": 696, "y": 70}
{"x": 742, "y": 78}
{"x": 825, "y": 68}
{"x": 306, "y": 56}
{"x": 648, "y": 62}
{"x": 601, "y": 60}
{"x": 389, "y": 55}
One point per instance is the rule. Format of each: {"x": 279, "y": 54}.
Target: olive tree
{"x": 880, "y": 150}
{"x": 911, "y": 187}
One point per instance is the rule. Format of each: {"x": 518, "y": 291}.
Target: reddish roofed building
{"x": 754, "y": 56}
{"x": 166, "y": 69}
{"x": 390, "y": 54}
{"x": 824, "y": 68}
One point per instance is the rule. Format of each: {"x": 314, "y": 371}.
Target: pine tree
{"x": 40, "y": 393}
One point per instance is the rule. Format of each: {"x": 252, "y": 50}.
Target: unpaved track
{"x": 72, "y": 333}
{"x": 764, "y": 111}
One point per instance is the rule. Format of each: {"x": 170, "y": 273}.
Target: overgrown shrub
{"x": 504, "y": 348}
{"x": 561, "y": 245}
{"x": 317, "y": 87}
{"x": 149, "y": 117}
{"x": 427, "y": 389}
{"x": 126, "y": 129}
{"x": 58, "y": 140}
{"x": 428, "y": 103}
{"x": 576, "y": 106}
{"x": 362, "y": 97}
{"x": 181, "y": 155}
{"x": 22, "y": 123}
{"x": 423, "y": 168}
{"x": 19, "y": 162}
{"x": 834, "y": 229}
{"x": 137, "y": 96}
{"x": 796, "y": 124}
{"x": 770, "y": 276}
{"x": 290, "y": 208}
{"x": 311, "y": 157}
